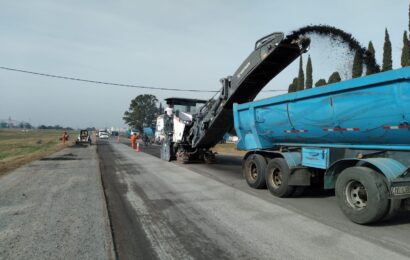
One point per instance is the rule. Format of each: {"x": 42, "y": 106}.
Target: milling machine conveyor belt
{"x": 272, "y": 54}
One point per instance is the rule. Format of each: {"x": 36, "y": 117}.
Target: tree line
{"x": 25, "y": 125}
{"x": 300, "y": 83}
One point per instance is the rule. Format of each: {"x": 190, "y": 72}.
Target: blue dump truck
{"x": 351, "y": 136}
{"x": 148, "y": 131}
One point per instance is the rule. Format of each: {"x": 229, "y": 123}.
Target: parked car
{"x": 103, "y": 135}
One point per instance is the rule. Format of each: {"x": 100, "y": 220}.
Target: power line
{"x": 101, "y": 82}
{"x": 111, "y": 83}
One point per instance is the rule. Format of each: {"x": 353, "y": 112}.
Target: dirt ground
{"x": 228, "y": 148}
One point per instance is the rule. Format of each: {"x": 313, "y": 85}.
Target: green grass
{"x": 22, "y": 149}
{"x": 18, "y": 147}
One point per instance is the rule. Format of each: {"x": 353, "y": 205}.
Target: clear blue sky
{"x": 173, "y": 44}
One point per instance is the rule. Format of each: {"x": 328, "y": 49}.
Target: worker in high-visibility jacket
{"x": 64, "y": 138}
{"x": 133, "y": 139}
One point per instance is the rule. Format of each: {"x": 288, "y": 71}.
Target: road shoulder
{"x": 55, "y": 208}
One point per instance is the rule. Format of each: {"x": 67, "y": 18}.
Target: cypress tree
{"x": 295, "y": 84}
{"x": 301, "y": 76}
{"x": 371, "y": 50}
{"x": 160, "y": 109}
{"x": 387, "y": 56}
{"x": 320, "y": 82}
{"x": 309, "y": 73}
{"x": 405, "y": 53}
{"x": 357, "y": 69}
{"x": 291, "y": 88}
{"x": 335, "y": 77}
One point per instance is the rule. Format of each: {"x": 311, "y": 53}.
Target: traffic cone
{"x": 138, "y": 148}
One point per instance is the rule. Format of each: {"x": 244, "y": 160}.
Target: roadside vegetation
{"x": 18, "y": 147}
{"x": 357, "y": 69}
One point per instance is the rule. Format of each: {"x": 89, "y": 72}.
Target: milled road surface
{"x": 55, "y": 208}
{"x": 162, "y": 210}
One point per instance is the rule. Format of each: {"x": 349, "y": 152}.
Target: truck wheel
{"x": 209, "y": 158}
{"x": 277, "y": 178}
{"x": 182, "y": 157}
{"x": 394, "y": 209}
{"x": 362, "y": 195}
{"x": 254, "y": 169}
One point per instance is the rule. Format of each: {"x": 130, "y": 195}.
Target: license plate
{"x": 400, "y": 190}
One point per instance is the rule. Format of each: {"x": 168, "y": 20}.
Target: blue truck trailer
{"x": 352, "y": 136}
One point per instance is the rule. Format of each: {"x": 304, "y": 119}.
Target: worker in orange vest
{"x": 64, "y": 138}
{"x": 133, "y": 139}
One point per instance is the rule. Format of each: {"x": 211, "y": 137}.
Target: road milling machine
{"x": 191, "y": 132}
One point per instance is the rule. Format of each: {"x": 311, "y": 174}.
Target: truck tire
{"x": 209, "y": 158}
{"x": 394, "y": 209}
{"x": 182, "y": 157}
{"x": 277, "y": 178}
{"x": 362, "y": 195}
{"x": 254, "y": 169}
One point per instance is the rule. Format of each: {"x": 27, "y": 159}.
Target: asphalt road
{"x": 161, "y": 210}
